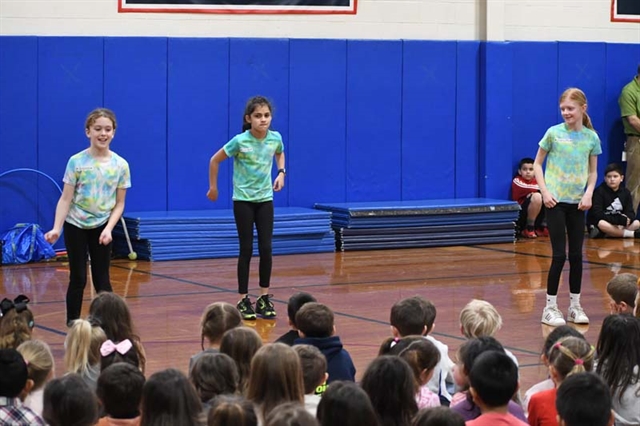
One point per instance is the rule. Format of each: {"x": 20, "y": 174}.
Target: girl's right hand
{"x": 548, "y": 200}
{"x": 52, "y": 236}
{"x": 212, "y": 194}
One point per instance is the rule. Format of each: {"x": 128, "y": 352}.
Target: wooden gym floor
{"x": 167, "y": 298}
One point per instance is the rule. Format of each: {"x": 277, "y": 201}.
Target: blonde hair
{"x": 479, "y": 318}
{"x": 97, "y": 113}
{"x": 39, "y": 360}
{"x": 82, "y": 346}
{"x": 576, "y": 95}
{"x": 571, "y": 355}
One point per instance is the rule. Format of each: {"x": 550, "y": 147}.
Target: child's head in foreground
{"x": 479, "y": 318}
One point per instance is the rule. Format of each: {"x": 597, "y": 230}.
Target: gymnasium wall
{"x": 362, "y": 120}
{"x": 569, "y": 20}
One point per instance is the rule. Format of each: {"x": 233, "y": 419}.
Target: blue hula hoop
{"x": 32, "y": 171}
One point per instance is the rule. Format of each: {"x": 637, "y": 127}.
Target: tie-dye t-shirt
{"x": 95, "y": 184}
{"x": 252, "y": 163}
{"x": 568, "y": 156}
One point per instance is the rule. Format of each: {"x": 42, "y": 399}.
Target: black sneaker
{"x": 595, "y": 232}
{"x": 246, "y": 308}
{"x": 264, "y": 306}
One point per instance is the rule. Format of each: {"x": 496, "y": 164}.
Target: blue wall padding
{"x": 534, "y": 97}
{"x": 374, "y": 119}
{"x": 467, "y": 119}
{"x": 428, "y": 120}
{"x": 317, "y": 121}
{"x": 19, "y": 129}
{"x": 261, "y": 67}
{"x": 495, "y": 136}
{"x": 198, "y": 116}
{"x": 350, "y": 111}
{"x": 135, "y": 87}
{"x": 69, "y": 87}
{"x": 622, "y": 64}
{"x": 583, "y": 65}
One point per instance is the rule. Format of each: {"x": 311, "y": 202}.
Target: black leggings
{"x": 567, "y": 217}
{"x": 246, "y": 214}
{"x": 77, "y": 242}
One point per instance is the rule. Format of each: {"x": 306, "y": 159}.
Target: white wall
{"x": 580, "y": 20}
{"x": 376, "y": 19}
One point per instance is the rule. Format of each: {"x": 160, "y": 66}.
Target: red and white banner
{"x": 239, "y": 6}
{"x": 625, "y": 10}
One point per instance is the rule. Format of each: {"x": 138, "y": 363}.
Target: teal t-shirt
{"x": 568, "y": 156}
{"x": 252, "y": 163}
{"x": 96, "y": 183}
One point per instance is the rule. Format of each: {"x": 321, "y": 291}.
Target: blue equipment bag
{"x": 25, "y": 243}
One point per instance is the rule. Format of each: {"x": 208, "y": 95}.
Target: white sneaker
{"x": 552, "y": 316}
{"x": 576, "y": 315}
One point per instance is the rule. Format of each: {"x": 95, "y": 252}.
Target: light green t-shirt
{"x": 95, "y": 183}
{"x": 252, "y": 163}
{"x": 567, "y": 169}
{"x": 629, "y": 102}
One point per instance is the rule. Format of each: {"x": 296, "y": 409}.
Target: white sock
{"x": 627, "y": 234}
{"x": 575, "y": 299}
{"x": 552, "y": 300}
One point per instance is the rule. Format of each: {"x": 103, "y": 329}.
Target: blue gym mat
{"x": 425, "y": 223}
{"x": 205, "y": 234}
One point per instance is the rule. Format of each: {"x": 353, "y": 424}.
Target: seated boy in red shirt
{"x": 525, "y": 190}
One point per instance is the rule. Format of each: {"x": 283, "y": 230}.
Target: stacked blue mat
{"x": 178, "y": 235}
{"x": 428, "y": 223}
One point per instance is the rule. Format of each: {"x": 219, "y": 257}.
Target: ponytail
{"x": 571, "y": 355}
{"x": 586, "y": 121}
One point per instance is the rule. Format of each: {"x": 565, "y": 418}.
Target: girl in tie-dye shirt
{"x": 571, "y": 150}
{"x": 92, "y": 202}
{"x": 253, "y": 152}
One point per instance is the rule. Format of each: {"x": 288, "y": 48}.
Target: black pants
{"x": 77, "y": 242}
{"x": 565, "y": 217}
{"x": 246, "y": 214}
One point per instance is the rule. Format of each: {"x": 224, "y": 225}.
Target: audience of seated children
{"x": 232, "y": 410}
{"x": 438, "y": 416}
{"x": 584, "y": 400}
{"x": 622, "y": 290}
{"x": 214, "y": 374}
{"x": 68, "y": 400}
{"x": 290, "y": 414}
{"x": 120, "y": 392}
{"x": 479, "y": 318}
{"x": 111, "y": 312}
{"x": 40, "y": 366}
{"x": 169, "y": 399}
{"x": 217, "y": 318}
{"x": 275, "y": 378}
{"x": 82, "y": 351}
{"x": 569, "y": 355}
{"x": 14, "y": 387}
{"x": 241, "y": 344}
{"x": 525, "y": 190}
{"x": 314, "y": 375}
{"x": 612, "y": 210}
{"x": 555, "y": 335}
{"x": 344, "y": 403}
{"x": 389, "y": 382}
{"x": 16, "y": 322}
{"x": 113, "y": 353}
{"x": 416, "y": 316}
{"x": 316, "y": 328}
{"x": 293, "y": 306}
{"x": 618, "y": 352}
{"x": 468, "y": 352}
{"x": 493, "y": 382}
{"x": 422, "y": 356}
